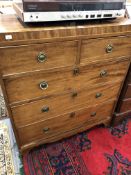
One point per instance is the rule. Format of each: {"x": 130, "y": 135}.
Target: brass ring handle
{"x": 103, "y": 73}
{"x": 98, "y": 95}
{"x": 46, "y": 130}
{"x": 72, "y": 115}
{"x": 74, "y": 94}
{"x": 45, "y": 109}
{"x": 43, "y": 85}
{"x": 109, "y": 48}
{"x": 76, "y": 71}
{"x": 41, "y": 57}
{"x": 93, "y": 114}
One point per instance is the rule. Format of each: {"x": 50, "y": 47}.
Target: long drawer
{"x": 119, "y": 117}
{"x": 56, "y": 82}
{"x": 128, "y": 91}
{"x": 129, "y": 79}
{"x": 126, "y": 105}
{"x": 99, "y": 49}
{"x": 62, "y": 124}
{"x": 19, "y": 59}
{"x": 57, "y": 105}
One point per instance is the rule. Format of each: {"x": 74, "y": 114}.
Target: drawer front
{"x": 50, "y": 107}
{"x": 65, "y": 123}
{"x": 129, "y": 79}
{"x": 36, "y": 57}
{"x": 99, "y": 49}
{"x": 128, "y": 91}
{"x": 126, "y": 105}
{"x": 29, "y": 87}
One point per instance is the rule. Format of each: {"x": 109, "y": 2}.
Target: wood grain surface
{"x": 27, "y": 87}
{"x": 83, "y": 80}
{"x": 96, "y": 49}
{"x": 55, "y": 126}
{"x": 29, "y": 113}
{"x": 123, "y": 107}
{"x": 18, "y": 59}
{"x": 128, "y": 91}
{"x": 23, "y": 33}
{"x": 126, "y": 105}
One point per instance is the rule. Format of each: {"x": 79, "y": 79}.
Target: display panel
{"x": 68, "y": 5}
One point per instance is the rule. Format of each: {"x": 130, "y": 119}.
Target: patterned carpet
{"x": 100, "y": 151}
{"x": 3, "y": 111}
{"x": 6, "y": 161}
{"x": 10, "y": 162}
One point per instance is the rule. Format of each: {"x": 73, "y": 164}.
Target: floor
{"x": 99, "y": 151}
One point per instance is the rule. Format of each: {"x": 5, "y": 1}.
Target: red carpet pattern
{"x": 99, "y": 151}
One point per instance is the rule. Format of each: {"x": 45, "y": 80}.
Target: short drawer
{"x": 128, "y": 91}
{"x": 99, "y": 49}
{"x": 19, "y": 59}
{"x": 126, "y": 105}
{"x": 46, "y": 108}
{"x": 65, "y": 123}
{"x": 45, "y": 84}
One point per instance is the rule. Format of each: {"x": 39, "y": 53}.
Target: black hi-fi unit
{"x": 65, "y": 10}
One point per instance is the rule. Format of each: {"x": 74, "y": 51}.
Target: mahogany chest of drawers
{"x": 58, "y": 81}
{"x": 123, "y": 108}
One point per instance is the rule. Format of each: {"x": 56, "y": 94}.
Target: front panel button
{"x": 68, "y": 16}
{"x": 62, "y": 16}
{"x": 80, "y": 16}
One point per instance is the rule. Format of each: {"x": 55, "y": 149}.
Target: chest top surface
{"x": 20, "y": 32}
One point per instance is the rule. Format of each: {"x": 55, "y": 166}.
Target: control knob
{"x": 74, "y": 16}
{"x": 68, "y": 16}
{"x": 63, "y": 16}
{"x": 80, "y": 16}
